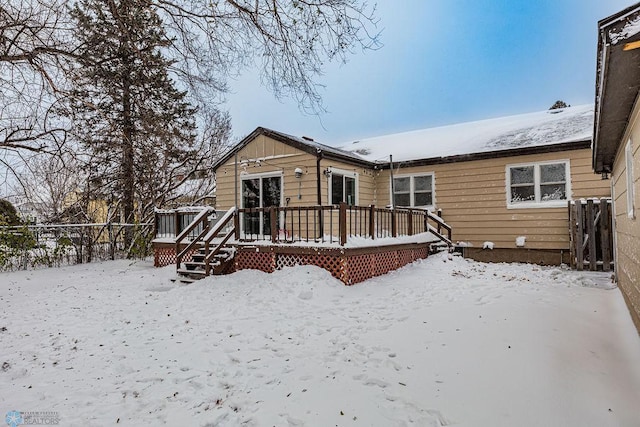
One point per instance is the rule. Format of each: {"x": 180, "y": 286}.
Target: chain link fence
{"x": 42, "y": 246}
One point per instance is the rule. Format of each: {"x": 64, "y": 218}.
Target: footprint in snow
{"x": 439, "y": 418}
{"x": 376, "y": 382}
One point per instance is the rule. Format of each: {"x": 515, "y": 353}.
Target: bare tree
{"x": 55, "y": 187}
{"x": 34, "y": 45}
{"x": 206, "y": 42}
{"x": 291, "y": 40}
{"x": 190, "y": 182}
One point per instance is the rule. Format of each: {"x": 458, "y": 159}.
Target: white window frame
{"x": 537, "y": 203}
{"x": 628, "y": 154}
{"x": 344, "y": 173}
{"x": 412, "y": 193}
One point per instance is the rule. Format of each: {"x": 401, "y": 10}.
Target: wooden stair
{"x": 221, "y": 263}
{"x": 208, "y": 257}
{"x": 441, "y": 230}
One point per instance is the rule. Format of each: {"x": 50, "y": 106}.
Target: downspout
{"x": 392, "y": 185}
{"x": 235, "y": 180}
{"x": 318, "y": 174}
{"x": 613, "y": 230}
{"x": 319, "y": 187}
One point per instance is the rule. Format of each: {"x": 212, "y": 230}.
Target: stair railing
{"x": 213, "y": 233}
{"x": 201, "y": 218}
{"x": 438, "y": 229}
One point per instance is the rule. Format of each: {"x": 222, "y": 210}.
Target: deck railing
{"x": 170, "y": 223}
{"x": 335, "y": 223}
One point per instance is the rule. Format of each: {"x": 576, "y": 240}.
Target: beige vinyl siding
{"x": 274, "y": 157}
{"x": 473, "y": 199}
{"x": 628, "y": 229}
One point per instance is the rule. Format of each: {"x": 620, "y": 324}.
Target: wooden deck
{"x": 272, "y": 238}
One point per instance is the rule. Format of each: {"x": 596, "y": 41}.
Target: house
{"x": 299, "y": 202}
{"x": 616, "y": 143}
{"x": 502, "y": 183}
{"x": 504, "y": 189}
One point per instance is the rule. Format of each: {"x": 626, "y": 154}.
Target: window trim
{"x": 412, "y": 197}
{"x": 343, "y": 173}
{"x": 628, "y": 158}
{"x": 537, "y": 203}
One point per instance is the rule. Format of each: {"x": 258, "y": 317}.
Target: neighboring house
{"x": 616, "y": 145}
{"x": 193, "y": 191}
{"x": 28, "y": 211}
{"x": 501, "y": 183}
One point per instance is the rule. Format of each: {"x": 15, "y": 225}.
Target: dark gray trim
{"x": 311, "y": 147}
{"x": 539, "y": 149}
{"x": 617, "y": 86}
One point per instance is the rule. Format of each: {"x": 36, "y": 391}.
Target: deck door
{"x": 260, "y": 192}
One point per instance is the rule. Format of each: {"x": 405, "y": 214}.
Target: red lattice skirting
{"x": 165, "y": 254}
{"x": 348, "y": 265}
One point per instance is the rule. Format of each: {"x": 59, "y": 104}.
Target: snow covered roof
{"x": 319, "y": 147}
{"x": 543, "y": 129}
{"x": 571, "y": 124}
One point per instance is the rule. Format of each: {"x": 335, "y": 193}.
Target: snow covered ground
{"x": 440, "y": 342}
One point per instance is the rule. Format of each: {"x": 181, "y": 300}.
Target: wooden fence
{"x": 591, "y": 234}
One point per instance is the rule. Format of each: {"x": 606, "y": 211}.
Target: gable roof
{"x": 303, "y": 144}
{"x": 617, "y": 83}
{"x": 531, "y": 132}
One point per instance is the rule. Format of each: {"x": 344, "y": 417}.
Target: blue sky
{"x": 443, "y": 62}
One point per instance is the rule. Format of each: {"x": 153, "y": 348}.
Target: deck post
{"x": 320, "y": 214}
{"x": 394, "y": 228}
{"x": 372, "y": 221}
{"x": 426, "y": 222}
{"x": 410, "y": 222}
{"x": 236, "y": 224}
{"x": 342, "y": 223}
